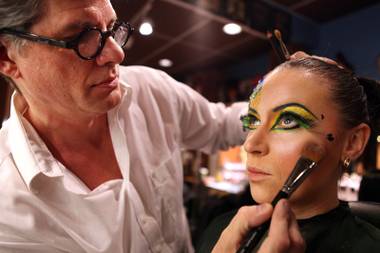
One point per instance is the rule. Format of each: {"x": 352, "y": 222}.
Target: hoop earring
{"x": 346, "y": 162}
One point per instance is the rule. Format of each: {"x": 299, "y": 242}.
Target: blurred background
{"x": 220, "y": 49}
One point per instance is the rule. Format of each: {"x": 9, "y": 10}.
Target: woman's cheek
{"x": 286, "y": 155}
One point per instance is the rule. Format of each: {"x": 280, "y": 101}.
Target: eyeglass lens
{"x": 90, "y": 41}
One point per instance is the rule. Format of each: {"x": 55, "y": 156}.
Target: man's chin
{"x": 114, "y": 99}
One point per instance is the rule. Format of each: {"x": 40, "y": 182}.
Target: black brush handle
{"x": 256, "y": 234}
{"x": 277, "y": 49}
{"x": 278, "y": 46}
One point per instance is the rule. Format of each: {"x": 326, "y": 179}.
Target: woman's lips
{"x": 256, "y": 175}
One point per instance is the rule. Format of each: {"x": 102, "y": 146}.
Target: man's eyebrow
{"x": 278, "y": 108}
{"x": 75, "y": 26}
{"x": 80, "y": 25}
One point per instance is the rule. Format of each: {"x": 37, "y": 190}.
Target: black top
{"x": 335, "y": 231}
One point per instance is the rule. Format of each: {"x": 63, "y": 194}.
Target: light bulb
{"x": 232, "y": 29}
{"x": 166, "y": 63}
{"x": 146, "y": 28}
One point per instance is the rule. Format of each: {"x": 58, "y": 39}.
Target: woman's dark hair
{"x": 357, "y": 98}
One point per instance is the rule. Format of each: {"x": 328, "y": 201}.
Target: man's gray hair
{"x": 18, "y": 14}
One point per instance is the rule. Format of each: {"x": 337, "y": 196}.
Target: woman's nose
{"x": 256, "y": 142}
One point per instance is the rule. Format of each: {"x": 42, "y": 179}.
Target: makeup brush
{"x": 278, "y": 45}
{"x": 310, "y": 156}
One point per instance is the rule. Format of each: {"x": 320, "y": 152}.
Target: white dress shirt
{"x": 46, "y": 208}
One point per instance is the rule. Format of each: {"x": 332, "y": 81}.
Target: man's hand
{"x": 283, "y": 236}
{"x": 301, "y": 54}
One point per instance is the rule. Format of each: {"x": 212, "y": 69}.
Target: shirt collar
{"x": 30, "y": 154}
{"x": 20, "y": 147}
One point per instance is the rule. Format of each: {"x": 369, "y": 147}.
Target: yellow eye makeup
{"x": 255, "y": 97}
{"x": 252, "y": 120}
{"x": 293, "y": 116}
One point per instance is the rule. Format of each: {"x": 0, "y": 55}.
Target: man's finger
{"x": 246, "y": 218}
{"x": 296, "y": 239}
{"x": 299, "y": 55}
{"x": 280, "y": 238}
{"x": 279, "y": 229}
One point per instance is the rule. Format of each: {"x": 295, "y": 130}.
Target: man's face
{"x": 55, "y": 80}
{"x": 292, "y": 110}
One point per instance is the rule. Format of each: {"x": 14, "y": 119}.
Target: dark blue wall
{"x": 357, "y": 36}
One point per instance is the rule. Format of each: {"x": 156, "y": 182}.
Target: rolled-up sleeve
{"x": 204, "y": 125}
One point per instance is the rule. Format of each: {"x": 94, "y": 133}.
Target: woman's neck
{"x": 316, "y": 204}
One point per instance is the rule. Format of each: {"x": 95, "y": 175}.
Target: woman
{"x": 302, "y": 102}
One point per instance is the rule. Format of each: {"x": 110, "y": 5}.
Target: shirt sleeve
{"x": 204, "y": 125}
{"x": 15, "y": 244}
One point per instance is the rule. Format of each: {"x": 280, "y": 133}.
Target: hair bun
{"x": 372, "y": 91}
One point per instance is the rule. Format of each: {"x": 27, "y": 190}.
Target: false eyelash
{"x": 246, "y": 120}
{"x": 300, "y": 120}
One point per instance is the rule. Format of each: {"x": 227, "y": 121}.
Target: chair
{"x": 368, "y": 211}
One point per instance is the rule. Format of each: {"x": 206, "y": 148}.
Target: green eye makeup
{"x": 250, "y": 122}
{"x": 287, "y": 117}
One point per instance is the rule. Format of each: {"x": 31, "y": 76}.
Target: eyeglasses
{"x": 88, "y": 44}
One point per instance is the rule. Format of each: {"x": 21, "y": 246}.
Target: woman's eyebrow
{"x": 252, "y": 111}
{"x": 278, "y": 108}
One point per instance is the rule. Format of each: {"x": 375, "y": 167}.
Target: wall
{"x": 357, "y": 36}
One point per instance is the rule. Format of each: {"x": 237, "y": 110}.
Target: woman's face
{"x": 291, "y": 110}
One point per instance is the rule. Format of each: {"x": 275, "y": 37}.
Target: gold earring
{"x": 346, "y": 162}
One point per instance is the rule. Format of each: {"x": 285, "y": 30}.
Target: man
{"x": 90, "y": 157}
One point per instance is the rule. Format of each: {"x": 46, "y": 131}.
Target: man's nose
{"x": 111, "y": 53}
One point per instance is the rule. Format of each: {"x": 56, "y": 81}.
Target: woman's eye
{"x": 287, "y": 122}
{"x": 290, "y": 120}
{"x": 250, "y": 122}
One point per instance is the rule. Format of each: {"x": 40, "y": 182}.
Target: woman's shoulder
{"x": 367, "y": 231}
{"x": 362, "y": 235}
{"x": 212, "y": 233}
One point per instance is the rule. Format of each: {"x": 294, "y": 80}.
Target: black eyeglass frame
{"x": 73, "y": 43}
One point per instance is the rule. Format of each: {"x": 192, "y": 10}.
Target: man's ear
{"x": 7, "y": 65}
{"x": 356, "y": 142}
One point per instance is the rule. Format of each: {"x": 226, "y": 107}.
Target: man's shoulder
{"x": 140, "y": 72}
{"x": 8, "y": 173}
{"x": 4, "y": 147}
{"x": 149, "y": 81}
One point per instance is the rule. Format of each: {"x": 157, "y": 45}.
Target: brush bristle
{"x": 313, "y": 152}
{"x": 277, "y": 33}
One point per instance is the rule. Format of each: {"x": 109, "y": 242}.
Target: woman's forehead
{"x": 289, "y": 85}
